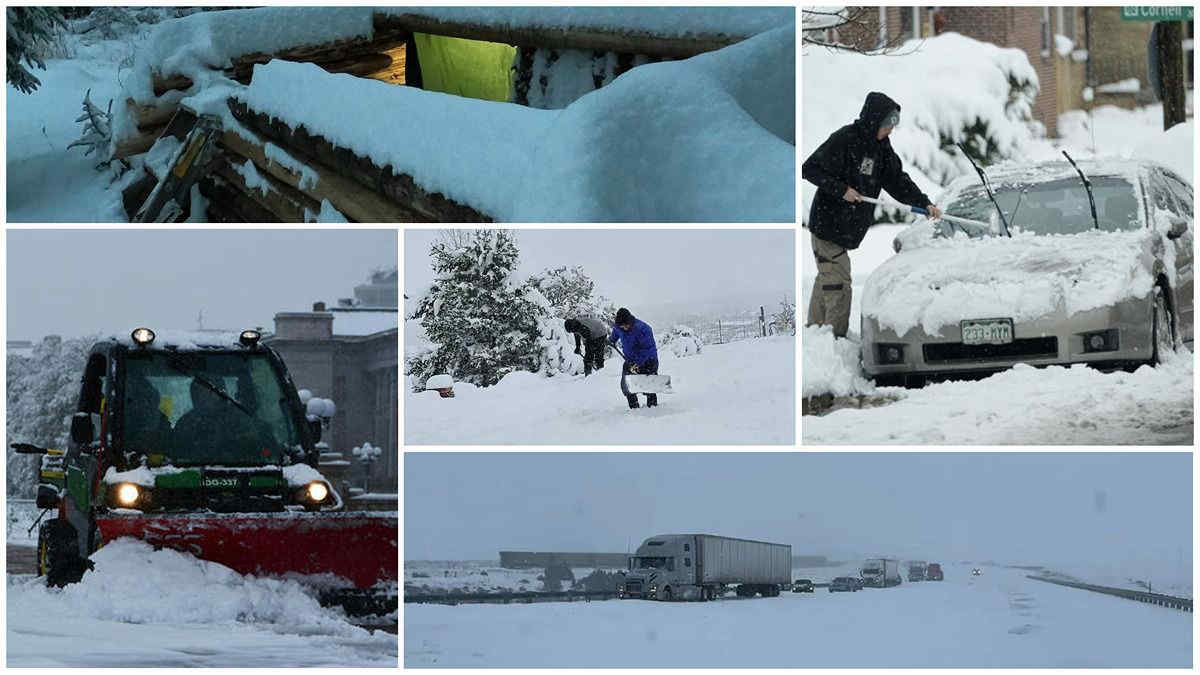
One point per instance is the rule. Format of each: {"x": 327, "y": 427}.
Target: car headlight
{"x": 316, "y": 492}
{"x": 128, "y": 494}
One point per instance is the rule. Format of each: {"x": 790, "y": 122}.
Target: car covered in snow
{"x": 1059, "y": 275}
{"x": 847, "y": 584}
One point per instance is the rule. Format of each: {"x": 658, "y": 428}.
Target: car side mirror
{"x": 82, "y": 431}
{"x": 1179, "y": 226}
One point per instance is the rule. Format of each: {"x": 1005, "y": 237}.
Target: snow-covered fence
{"x": 1171, "y": 601}
{"x": 752, "y": 324}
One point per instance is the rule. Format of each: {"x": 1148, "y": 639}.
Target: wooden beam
{"x": 356, "y": 202}
{"x": 400, "y": 189}
{"x": 231, "y": 205}
{"x": 288, "y": 205}
{"x": 596, "y": 39}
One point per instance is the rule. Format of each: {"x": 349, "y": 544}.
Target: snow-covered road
{"x": 149, "y": 608}
{"x": 740, "y": 393}
{"x": 1000, "y": 619}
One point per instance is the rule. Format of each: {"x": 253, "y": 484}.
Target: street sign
{"x": 1157, "y": 13}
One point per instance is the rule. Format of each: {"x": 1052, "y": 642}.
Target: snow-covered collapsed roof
{"x": 215, "y": 39}
{"x": 710, "y": 138}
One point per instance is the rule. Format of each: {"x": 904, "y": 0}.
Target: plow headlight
{"x": 128, "y": 494}
{"x": 316, "y": 492}
{"x": 142, "y": 336}
{"x": 249, "y": 338}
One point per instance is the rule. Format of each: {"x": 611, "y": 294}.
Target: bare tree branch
{"x": 847, "y": 29}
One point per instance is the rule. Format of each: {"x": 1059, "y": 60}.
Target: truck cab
{"x": 662, "y": 566}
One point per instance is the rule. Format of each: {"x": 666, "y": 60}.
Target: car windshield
{"x": 657, "y": 563}
{"x": 1052, "y": 207}
{"x": 871, "y": 570}
{"x": 190, "y": 408}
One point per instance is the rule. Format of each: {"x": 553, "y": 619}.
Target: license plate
{"x": 987, "y": 331}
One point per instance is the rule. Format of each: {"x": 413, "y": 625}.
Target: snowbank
{"x": 737, "y": 393}
{"x": 832, "y": 365}
{"x": 664, "y": 142}
{"x": 876, "y": 248}
{"x": 945, "y": 85}
{"x": 1029, "y": 406}
{"x": 1024, "y": 277}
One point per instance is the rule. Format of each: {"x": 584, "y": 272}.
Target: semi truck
{"x": 916, "y": 570}
{"x": 704, "y": 567}
{"x": 881, "y": 572}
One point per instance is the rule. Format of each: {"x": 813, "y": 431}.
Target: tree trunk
{"x": 1170, "y": 73}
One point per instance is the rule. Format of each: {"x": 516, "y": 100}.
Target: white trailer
{"x": 703, "y": 566}
{"x": 881, "y": 572}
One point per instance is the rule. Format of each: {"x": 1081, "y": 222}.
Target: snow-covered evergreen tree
{"x": 785, "y": 319}
{"x": 30, "y": 33}
{"x": 569, "y": 291}
{"x": 42, "y": 394}
{"x": 485, "y": 325}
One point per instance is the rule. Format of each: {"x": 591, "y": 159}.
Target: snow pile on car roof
{"x": 1022, "y": 277}
{"x": 832, "y": 365}
{"x": 944, "y": 85}
{"x": 134, "y": 583}
{"x": 706, "y": 139}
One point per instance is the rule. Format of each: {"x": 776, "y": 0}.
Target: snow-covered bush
{"x": 569, "y": 291}
{"x": 951, "y": 89}
{"x": 783, "y": 322}
{"x": 43, "y": 390}
{"x": 682, "y": 341}
{"x": 32, "y": 36}
{"x": 97, "y": 133}
{"x": 485, "y": 326}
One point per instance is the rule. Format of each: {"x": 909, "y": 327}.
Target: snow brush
{"x": 924, "y": 212}
{"x": 638, "y": 383}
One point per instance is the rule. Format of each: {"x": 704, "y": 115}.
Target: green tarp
{"x": 469, "y": 68}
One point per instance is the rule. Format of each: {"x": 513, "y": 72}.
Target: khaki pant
{"x": 829, "y": 304}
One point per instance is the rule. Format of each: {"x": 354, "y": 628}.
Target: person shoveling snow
{"x": 589, "y": 333}
{"x": 641, "y": 359}
{"x": 856, "y": 161}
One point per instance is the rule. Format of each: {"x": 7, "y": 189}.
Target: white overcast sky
{"x": 1036, "y": 508}
{"x": 639, "y": 267}
{"x": 78, "y": 282}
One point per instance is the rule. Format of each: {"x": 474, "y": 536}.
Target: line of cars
{"x": 876, "y": 572}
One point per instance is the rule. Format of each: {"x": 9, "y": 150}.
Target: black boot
{"x": 633, "y": 402}
{"x": 651, "y": 400}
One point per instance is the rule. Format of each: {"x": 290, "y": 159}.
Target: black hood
{"x": 875, "y": 109}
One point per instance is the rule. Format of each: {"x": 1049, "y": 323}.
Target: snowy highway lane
{"x": 738, "y": 393}
{"x": 1000, "y": 619}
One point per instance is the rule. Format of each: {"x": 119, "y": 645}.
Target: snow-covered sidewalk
{"x": 737, "y": 393}
{"x": 1000, "y": 619}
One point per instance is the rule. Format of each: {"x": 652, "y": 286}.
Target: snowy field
{"x": 1000, "y": 619}
{"x": 475, "y": 576}
{"x": 741, "y": 392}
{"x": 142, "y": 607}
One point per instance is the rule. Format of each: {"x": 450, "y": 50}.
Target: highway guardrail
{"x": 1171, "y": 601}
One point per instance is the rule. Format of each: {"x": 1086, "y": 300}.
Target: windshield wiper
{"x": 209, "y": 386}
{"x": 988, "y": 188}
{"x": 1087, "y": 184}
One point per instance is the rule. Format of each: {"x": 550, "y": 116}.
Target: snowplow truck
{"x": 202, "y": 445}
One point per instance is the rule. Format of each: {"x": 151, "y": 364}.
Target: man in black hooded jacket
{"x": 855, "y": 161}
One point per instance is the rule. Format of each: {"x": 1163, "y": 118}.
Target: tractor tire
{"x": 58, "y": 554}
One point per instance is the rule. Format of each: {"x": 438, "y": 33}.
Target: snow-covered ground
{"x": 142, "y": 607}
{"x": 741, "y": 392}
{"x": 1000, "y": 619}
{"x": 476, "y": 576}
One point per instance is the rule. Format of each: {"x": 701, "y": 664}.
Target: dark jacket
{"x": 587, "y": 329}
{"x": 637, "y": 343}
{"x": 853, "y": 157}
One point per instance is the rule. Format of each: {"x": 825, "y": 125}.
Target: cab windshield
{"x": 1052, "y": 207}
{"x": 657, "y": 563}
{"x": 190, "y": 408}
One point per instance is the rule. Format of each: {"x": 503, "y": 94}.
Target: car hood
{"x": 1023, "y": 277}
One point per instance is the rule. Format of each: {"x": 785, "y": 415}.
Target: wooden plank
{"x": 356, "y": 202}
{"x": 640, "y": 42}
{"x": 288, "y": 205}
{"x": 400, "y": 189}
{"x": 227, "y": 204}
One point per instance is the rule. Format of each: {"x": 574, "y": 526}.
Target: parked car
{"x": 803, "y": 586}
{"x": 843, "y": 584}
{"x": 975, "y": 572}
{"x": 1048, "y": 284}
{"x": 858, "y": 583}
{"x": 934, "y": 572}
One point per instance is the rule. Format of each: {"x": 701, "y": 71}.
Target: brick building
{"x": 1099, "y": 47}
{"x": 349, "y": 353}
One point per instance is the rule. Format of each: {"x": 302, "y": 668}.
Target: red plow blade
{"x": 358, "y": 547}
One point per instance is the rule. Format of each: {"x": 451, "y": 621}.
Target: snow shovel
{"x": 921, "y": 211}
{"x": 638, "y": 383}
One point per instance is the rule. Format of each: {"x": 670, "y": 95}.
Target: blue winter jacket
{"x": 637, "y": 342}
